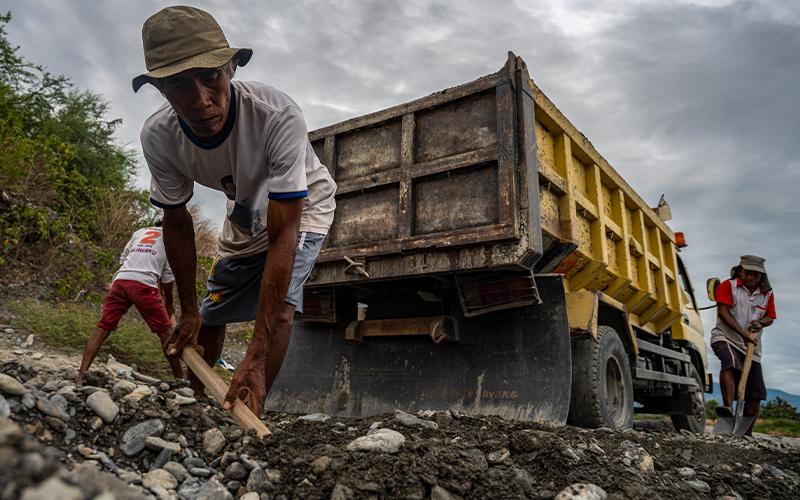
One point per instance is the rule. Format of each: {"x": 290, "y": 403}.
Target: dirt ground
{"x": 52, "y": 437}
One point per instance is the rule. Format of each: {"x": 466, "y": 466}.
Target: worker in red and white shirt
{"x": 745, "y": 306}
{"x": 144, "y": 280}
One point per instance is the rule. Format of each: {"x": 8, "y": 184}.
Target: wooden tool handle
{"x": 748, "y": 360}
{"x": 219, "y": 390}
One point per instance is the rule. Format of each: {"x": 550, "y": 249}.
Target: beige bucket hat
{"x": 753, "y": 263}
{"x": 179, "y": 38}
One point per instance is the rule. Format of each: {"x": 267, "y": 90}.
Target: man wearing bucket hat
{"x": 745, "y": 306}
{"x": 250, "y": 141}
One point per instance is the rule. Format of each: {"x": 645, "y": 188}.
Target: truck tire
{"x": 696, "y": 422}
{"x": 602, "y": 389}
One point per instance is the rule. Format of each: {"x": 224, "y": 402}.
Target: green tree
{"x": 778, "y": 408}
{"x": 66, "y": 195}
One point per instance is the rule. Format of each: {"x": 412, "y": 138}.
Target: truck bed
{"x": 491, "y": 176}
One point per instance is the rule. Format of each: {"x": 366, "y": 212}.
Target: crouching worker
{"x": 143, "y": 278}
{"x": 745, "y": 306}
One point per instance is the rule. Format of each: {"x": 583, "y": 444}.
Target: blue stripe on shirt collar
{"x": 288, "y": 196}
{"x": 223, "y": 134}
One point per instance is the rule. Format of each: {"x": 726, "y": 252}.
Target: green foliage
{"x": 778, "y": 408}
{"x": 68, "y": 325}
{"x": 711, "y": 409}
{"x": 66, "y": 202}
{"x": 778, "y": 426}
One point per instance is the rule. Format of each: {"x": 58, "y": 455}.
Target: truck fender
{"x": 586, "y": 309}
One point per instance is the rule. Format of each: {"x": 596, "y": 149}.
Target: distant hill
{"x": 793, "y": 399}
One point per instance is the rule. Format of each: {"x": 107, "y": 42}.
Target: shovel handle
{"x": 748, "y": 360}
{"x": 219, "y": 389}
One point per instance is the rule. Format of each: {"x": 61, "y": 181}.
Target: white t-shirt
{"x": 145, "y": 259}
{"x": 262, "y": 153}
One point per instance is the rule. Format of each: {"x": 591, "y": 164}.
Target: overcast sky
{"x": 695, "y": 99}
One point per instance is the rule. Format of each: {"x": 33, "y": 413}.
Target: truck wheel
{"x": 602, "y": 389}
{"x": 696, "y": 422}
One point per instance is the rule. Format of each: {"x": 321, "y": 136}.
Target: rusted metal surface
{"x": 446, "y": 181}
{"x": 438, "y": 328}
{"x": 513, "y": 363}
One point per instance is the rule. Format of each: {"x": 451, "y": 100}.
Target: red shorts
{"x": 147, "y": 300}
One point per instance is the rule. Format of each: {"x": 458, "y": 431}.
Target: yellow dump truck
{"x": 484, "y": 257}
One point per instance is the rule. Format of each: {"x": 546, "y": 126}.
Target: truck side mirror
{"x": 711, "y": 288}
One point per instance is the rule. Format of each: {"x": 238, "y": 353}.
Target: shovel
{"x": 738, "y": 424}
{"x": 219, "y": 389}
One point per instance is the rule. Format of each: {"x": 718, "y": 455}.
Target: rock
{"x": 756, "y": 470}
{"x": 159, "y": 478}
{"x": 342, "y": 492}
{"x": 11, "y": 386}
{"x": 700, "y": 486}
{"x": 233, "y": 486}
{"x": 37, "y": 356}
{"x": 163, "y": 386}
{"x": 381, "y": 440}
{"x": 200, "y": 472}
{"x": 249, "y": 496}
{"x": 123, "y": 387}
{"x": 409, "y": 420}
{"x": 314, "y": 417}
{"x": 52, "y": 488}
{"x": 498, "y": 457}
{"x": 177, "y": 470}
{"x": 686, "y": 454}
{"x": 320, "y": 464}
{"x": 582, "y": 491}
{"x": 646, "y": 464}
{"x": 56, "y": 424}
{"x": 138, "y": 394}
{"x": 28, "y": 400}
{"x": 51, "y": 408}
{"x": 213, "y": 441}
{"x": 156, "y": 443}
{"x": 236, "y": 471}
{"x": 118, "y": 369}
{"x": 28, "y": 341}
{"x": 439, "y": 493}
{"x": 177, "y": 401}
{"x": 96, "y": 423}
{"x": 8, "y": 330}
{"x": 190, "y": 488}
{"x": 213, "y": 490}
{"x": 273, "y": 475}
{"x": 523, "y": 480}
{"x": 5, "y": 408}
{"x": 102, "y": 404}
{"x": 258, "y": 482}
{"x": 141, "y": 377}
{"x": 686, "y": 472}
{"x": 135, "y": 438}
{"x": 185, "y": 391}
{"x": 162, "y": 458}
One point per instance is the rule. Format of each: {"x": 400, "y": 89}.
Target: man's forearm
{"x": 727, "y": 318}
{"x": 182, "y": 256}
{"x": 283, "y": 223}
{"x": 169, "y": 303}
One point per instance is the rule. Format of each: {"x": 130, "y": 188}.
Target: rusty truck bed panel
{"x": 438, "y": 179}
{"x": 491, "y": 175}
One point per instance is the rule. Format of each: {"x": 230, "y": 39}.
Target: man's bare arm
{"x": 166, "y": 292}
{"x": 178, "y": 228}
{"x": 283, "y": 224}
{"x": 724, "y": 313}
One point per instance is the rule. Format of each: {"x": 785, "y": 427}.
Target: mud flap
{"x": 514, "y": 363}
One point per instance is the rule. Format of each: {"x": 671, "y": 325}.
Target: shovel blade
{"x": 724, "y": 426}
{"x": 742, "y": 424}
